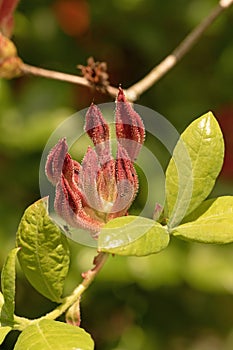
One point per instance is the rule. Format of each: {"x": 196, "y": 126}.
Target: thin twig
{"x": 133, "y": 92}
{"x": 51, "y": 74}
{"x": 170, "y": 61}
{"x": 88, "y": 277}
{"x": 45, "y": 73}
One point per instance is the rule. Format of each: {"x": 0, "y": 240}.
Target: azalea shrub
{"x": 92, "y": 202}
{"x": 95, "y": 196}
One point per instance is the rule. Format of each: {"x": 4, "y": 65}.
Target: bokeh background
{"x": 180, "y": 299}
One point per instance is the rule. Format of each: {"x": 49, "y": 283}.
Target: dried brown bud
{"x": 95, "y": 73}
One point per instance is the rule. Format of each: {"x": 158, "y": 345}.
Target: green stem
{"x": 88, "y": 278}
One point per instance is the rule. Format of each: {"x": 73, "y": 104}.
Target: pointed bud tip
{"x": 55, "y": 161}
{"x": 121, "y": 95}
{"x": 97, "y": 129}
{"x": 94, "y": 118}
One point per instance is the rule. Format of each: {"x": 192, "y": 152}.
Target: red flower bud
{"x": 68, "y": 204}
{"x": 98, "y": 130}
{"x": 101, "y": 188}
{"x": 88, "y": 179}
{"x": 7, "y": 8}
{"x": 107, "y": 183}
{"x": 130, "y": 130}
{"x": 55, "y": 161}
{"x": 126, "y": 182}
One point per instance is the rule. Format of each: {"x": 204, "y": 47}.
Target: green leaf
{"x": 194, "y": 167}
{"x": 212, "y": 222}
{"x": 1, "y": 300}
{"x": 3, "y": 333}
{"x": 8, "y": 289}
{"x": 44, "y": 254}
{"x": 49, "y": 334}
{"x": 133, "y": 235}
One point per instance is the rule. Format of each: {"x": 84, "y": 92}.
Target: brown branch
{"x": 170, "y": 61}
{"x": 133, "y": 92}
{"x": 74, "y": 79}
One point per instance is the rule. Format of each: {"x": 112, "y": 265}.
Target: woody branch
{"x": 134, "y": 91}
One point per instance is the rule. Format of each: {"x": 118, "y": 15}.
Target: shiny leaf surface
{"x": 44, "y": 253}
{"x": 133, "y": 235}
{"x": 212, "y": 222}
{"x": 48, "y": 334}
{"x": 194, "y": 167}
{"x": 8, "y": 289}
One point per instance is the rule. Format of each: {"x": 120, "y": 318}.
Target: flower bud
{"x": 88, "y": 179}
{"x": 69, "y": 205}
{"x": 7, "y": 8}
{"x": 130, "y": 130}
{"x": 98, "y": 130}
{"x": 101, "y": 188}
{"x": 126, "y": 182}
{"x": 56, "y": 160}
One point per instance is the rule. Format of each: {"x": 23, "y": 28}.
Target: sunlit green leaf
{"x": 1, "y": 300}
{"x": 133, "y": 235}
{"x": 3, "y": 333}
{"x": 212, "y": 222}
{"x": 44, "y": 254}
{"x": 8, "y": 289}
{"x": 48, "y": 334}
{"x": 190, "y": 176}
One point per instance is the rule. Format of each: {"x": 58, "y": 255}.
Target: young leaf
{"x": 3, "y": 333}
{"x": 44, "y": 254}
{"x": 8, "y": 289}
{"x": 132, "y": 235}
{"x": 211, "y": 222}
{"x": 190, "y": 176}
{"x": 49, "y": 334}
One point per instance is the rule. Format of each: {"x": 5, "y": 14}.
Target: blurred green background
{"x": 180, "y": 299}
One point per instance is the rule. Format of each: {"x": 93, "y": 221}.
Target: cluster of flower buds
{"x": 100, "y": 188}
